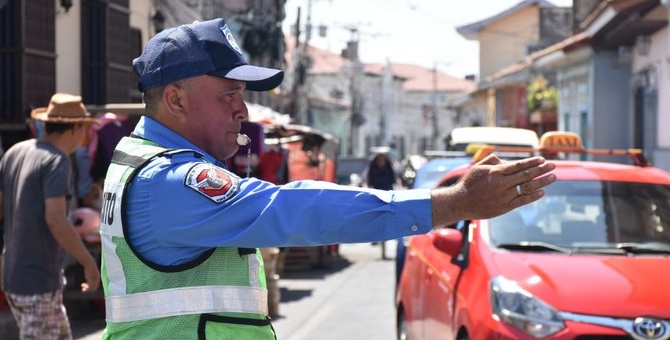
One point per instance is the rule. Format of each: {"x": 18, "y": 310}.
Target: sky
{"x": 421, "y": 32}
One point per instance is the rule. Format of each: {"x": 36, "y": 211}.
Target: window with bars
{"x": 106, "y": 53}
{"x": 27, "y": 59}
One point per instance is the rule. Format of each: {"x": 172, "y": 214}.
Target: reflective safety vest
{"x": 220, "y": 295}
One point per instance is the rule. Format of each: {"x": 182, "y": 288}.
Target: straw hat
{"x": 63, "y": 108}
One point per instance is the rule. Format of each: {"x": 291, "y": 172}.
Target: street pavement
{"x": 353, "y": 299}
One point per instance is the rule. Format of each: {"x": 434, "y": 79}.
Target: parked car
{"x": 589, "y": 260}
{"x": 432, "y": 171}
{"x": 349, "y": 170}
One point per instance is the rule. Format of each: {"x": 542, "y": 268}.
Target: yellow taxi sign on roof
{"x": 472, "y": 148}
{"x": 559, "y": 142}
{"x": 481, "y": 151}
{"x": 562, "y": 140}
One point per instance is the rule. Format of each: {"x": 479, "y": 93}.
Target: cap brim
{"x": 257, "y": 78}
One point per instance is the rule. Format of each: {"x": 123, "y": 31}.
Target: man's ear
{"x": 173, "y": 98}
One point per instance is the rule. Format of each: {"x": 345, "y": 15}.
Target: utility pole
{"x": 434, "y": 122}
{"x": 301, "y": 113}
{"x": 356, "y": 118}
{"x": 299, "y": 72}
{"x": 385, "y": 104}
{"x": 300, "y": 104}
{"x": 435, "y": 132}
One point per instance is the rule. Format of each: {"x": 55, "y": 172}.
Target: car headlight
{"x": 517, "y": 307}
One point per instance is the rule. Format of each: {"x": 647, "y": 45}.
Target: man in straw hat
{"x": 35, "y": 190}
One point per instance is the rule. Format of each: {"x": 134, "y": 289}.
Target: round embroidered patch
{"x": 216, "y": 183}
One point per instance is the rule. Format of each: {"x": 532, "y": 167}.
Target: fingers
{"x": 92, "y": 277}
{"x": 491, "y": 160}
{"x": 533, "y": 185}
{"x": 528, "y": 177}
{"x": 531, "y": 191}
{"x": 523, "y": 173}
{"x": 493, "y": 187}
{"x": 90, "y": 287}
{"x": 527, "y": 198}
{"x": 520, "y": 166}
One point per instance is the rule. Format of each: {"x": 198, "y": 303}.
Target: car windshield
{"x": 592, "y": 215}
{"x": 430, "y": 173}
{"x": 348, "y": 166}
{"x": 429, "y": 179}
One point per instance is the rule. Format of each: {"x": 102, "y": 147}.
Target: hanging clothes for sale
{"x": 270, "y": 162}
{"x": 104, "y": 137}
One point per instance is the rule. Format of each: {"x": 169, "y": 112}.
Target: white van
{"x": 459, "y": 138}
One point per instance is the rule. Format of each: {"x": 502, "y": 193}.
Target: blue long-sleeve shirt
{"x": 171, "y": 223}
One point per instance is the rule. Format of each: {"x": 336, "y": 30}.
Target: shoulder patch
{"x": 216, "y": 183}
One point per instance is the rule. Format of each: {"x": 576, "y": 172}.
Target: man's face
{"x": 215, "y": 111}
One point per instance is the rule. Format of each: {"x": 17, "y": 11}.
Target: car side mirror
{"x": 448, "y": 241}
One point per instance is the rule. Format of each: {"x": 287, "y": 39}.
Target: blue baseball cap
{"x": 197, "y": 49}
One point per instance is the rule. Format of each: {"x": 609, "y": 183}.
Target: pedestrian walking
{"x": 36, "y": 196}
{"x": 381, "y": 174}
{"x": 181, "y": 233}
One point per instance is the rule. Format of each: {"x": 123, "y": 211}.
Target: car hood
{"x": 619, "y": 286}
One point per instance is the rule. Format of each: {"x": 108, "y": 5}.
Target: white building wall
{"x": 333, "y": 119}
{"x": 68, "y": 40}
{"x": 370, "y": 132}
{"x": 323, "y": 85}
{"x": 403, "y": 119}
{"x": 658, "y": 62}
{"x": 140, "y": 18}
{"x": 68, "y": 48}
{"x": 400, "y": 124}
{"x": 419, "y": 124}
{"x": 575, "y": 107}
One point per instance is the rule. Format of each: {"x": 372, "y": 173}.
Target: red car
{"x": 590, "y": 260}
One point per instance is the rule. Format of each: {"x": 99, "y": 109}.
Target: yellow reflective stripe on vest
{"x": 181, "y": 301}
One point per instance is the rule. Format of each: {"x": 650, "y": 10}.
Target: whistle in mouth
{"x": 243, "y": 139}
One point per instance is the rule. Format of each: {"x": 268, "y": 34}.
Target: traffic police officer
{"x": 181, "y": 233}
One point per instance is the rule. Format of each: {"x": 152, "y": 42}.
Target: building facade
{"x": 86, "y": 47}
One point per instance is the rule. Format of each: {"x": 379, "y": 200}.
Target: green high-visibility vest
{"x": 220, "y": 295}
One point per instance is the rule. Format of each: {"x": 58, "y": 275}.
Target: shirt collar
{"x": 151, "y": 129}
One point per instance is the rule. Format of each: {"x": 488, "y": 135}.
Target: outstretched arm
{"x": 488, "y": 189}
